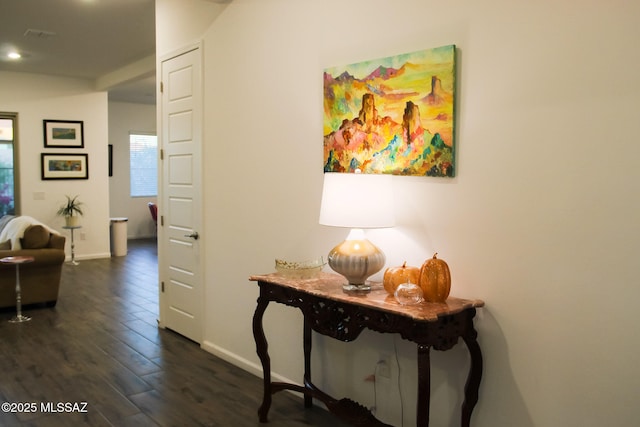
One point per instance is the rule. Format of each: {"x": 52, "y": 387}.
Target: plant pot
{"x": 72, "y": 221}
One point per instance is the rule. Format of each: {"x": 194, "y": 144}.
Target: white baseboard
{"x": 241, "y": 362}
{"x": 89, "y": 256}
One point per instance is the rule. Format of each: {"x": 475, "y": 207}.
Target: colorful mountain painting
{"x": 392, "y": 115}
{"x": 63, "y": 133}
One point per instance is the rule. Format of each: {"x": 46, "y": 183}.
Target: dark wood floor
{"x": 101, "y": 346}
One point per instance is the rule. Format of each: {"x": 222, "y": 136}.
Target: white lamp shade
{"x": 357, "y": 200}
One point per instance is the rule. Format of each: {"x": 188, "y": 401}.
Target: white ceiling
{"x": 98, "y": 40}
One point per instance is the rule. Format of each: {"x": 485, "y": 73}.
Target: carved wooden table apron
{"x": 330, "y": 311}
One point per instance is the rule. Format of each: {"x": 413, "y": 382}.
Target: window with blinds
{"x": 143, "y": 158}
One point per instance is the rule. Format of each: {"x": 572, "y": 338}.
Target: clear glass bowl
{"x": 409, "y": 294}
{"x": 300, "y": 269}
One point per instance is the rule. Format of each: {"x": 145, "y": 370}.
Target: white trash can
{"x": 119, "y": 236}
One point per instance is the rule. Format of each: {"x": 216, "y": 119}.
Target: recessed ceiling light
{"x": 14, "y": 55}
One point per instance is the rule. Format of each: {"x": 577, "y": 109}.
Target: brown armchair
{"x": 39, "y": 280}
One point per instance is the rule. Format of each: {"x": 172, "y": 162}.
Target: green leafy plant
{"x": 71, "y": 207}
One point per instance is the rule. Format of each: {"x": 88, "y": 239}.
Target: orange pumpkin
{"x": 395, "y": 276}
{"x": 435, "y": 280}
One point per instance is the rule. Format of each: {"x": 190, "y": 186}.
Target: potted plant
{"x": 71, "y": 211}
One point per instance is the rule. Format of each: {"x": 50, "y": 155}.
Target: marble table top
{"x": 329, "y": 285}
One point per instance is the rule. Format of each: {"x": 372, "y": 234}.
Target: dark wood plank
{"x": 101, "y": 345}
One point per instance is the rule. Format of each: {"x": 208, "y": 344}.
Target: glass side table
{"x": 73, "y": 245}
{"x": 17, "y": 261}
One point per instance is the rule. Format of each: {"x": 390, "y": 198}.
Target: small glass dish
{"x": 409, "y": 294}
{"x": 299, "y": 269}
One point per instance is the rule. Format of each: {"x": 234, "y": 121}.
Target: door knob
{"x": 193, "y": 235}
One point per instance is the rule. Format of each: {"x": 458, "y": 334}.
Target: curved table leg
{"x": 263, "y": 354}
{"x": 308, "y": 402}
{"x": 473, "y": 380}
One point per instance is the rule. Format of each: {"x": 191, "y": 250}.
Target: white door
{"x": 181, "y": 217}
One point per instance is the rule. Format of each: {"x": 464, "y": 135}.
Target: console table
{"x": 330, "y": 311}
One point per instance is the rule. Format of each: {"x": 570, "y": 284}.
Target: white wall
{"x": 36, "y": 98}
{"x": 125, "y": 118}
{"x": 541, "y": 221}
{"x": 182, "y": 22}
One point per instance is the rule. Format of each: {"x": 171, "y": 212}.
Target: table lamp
{"x": 357, "y": 201}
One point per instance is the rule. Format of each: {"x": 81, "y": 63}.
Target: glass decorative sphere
{"x": 408, "y": 294}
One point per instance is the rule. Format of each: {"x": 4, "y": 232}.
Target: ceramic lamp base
{"x": 351, "y": 287}
{"x": 356, "y": 259}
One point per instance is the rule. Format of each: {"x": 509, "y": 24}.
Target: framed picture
{"x": 393, "y": 115}
{"x": 65, "y": 166}
{"x": 63, "y": 134}
{"x": 110, "y": 151}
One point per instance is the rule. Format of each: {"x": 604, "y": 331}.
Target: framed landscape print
{"x": 63, "y": 134}
{"x": 65, "y": 166}
{"x": 392, "y": 115}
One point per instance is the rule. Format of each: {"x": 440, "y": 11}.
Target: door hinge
{"x": 162, "y": 154}
{"x": 162, "y": 286}
{"x": 161, "y": 220}
{"x": 161, "y": 87}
